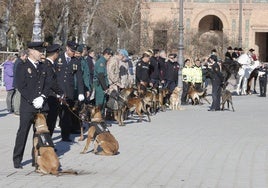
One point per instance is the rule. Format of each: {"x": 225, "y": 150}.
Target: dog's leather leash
{"x": 68, "y": 107}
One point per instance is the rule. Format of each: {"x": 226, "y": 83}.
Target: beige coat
{"x": 113, "y": 72}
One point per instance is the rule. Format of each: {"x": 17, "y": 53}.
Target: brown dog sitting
{"x": 104, "y": 142}
{"x": 46, "y": 159}
{"x": 175, "y": 99}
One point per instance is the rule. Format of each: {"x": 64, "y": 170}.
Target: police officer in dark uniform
{"x": 216, "y": 80}
{"x": 213, "y": 55}
{"x": 68, "y": 68}
{"x": 172, "y": 68}
{"x": 32, "y": 83}
{"x": 55, "y": 92}
{"x": 142, "y": 71}
{"x": 154, "y": 69}
{"x": 263, "y": 70}
{"x": 228, "y": 55}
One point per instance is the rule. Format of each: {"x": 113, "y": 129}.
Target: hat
{"x": 229, "y": 48}
{"x": 40, "y": 46}
{"x": 72, "y": 45}
{"x": 251, "y": 50}
{"x": 53, "y": 48}
{"x": 214, "y": 50}
{"x": 146, "y": 54}
{"x": 240, "y": 49}
{"x": 235, "y": 48}
{"x": 80, "y": 48}
{"x": 108, "y": 51}
{"x": 213, "y": 57}
{"x": 151, "y": 52}
{"x": 156, "y": 51}
{"x": 186, "y": 60}
{"x": 123, "y": 52}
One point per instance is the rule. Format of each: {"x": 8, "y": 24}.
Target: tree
{"x": 97, "y": 23}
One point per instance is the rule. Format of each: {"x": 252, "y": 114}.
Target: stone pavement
{"x": 187, "y": 149}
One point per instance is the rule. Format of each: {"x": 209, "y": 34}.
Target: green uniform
{"x": 100, "y": 80}
{"x": 86, "y": 74}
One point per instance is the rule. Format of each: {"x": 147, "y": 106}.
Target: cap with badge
{"x": 72, "y": 45}
{"x": 80, "y": 48}
{"x": 108, "y": 51}
{"x": 53, "y": 48}
{"x": 39, "y": 46}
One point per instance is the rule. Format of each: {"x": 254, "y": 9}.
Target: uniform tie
{"x": 36, "y": 64}
{"x": 68, "y": 59}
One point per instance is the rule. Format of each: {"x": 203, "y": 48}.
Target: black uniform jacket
{"x": 142, "y": 72}
{"x": 172, "y": 69}
{"x": 31, "y": 82}
{"x": 154, "y": 68}
{"x": 66, "y": 76}
{"x": 217, "y": 75}
{"x": 52, "y": 77}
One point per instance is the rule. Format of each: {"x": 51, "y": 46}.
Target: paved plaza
{"x": 192, "y": 148}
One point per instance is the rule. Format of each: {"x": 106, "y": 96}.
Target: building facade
{"x": 207, "y": 24}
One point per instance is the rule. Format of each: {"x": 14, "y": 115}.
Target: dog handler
{"x": 216, "y": 80}
{"x": 33, "y": 85}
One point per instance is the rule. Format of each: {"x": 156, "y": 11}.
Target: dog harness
{"x": 44, "y": 140}
{"x": 100, "y": 128}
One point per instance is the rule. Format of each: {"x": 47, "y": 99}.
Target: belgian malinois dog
{"x": 104, "y": 142}
{"x": 46, "y": 159}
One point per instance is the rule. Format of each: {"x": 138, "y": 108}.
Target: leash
{"x": 68, "y": 107}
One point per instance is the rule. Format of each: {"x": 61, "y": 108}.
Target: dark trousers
{"x": 66, "y": 120}
{"x": 26, "y": 121}
{"x": 216, "y": 95}
{"x": 171, "y": 85}
{"x": 185, "y": 88}
{"x": 53, "y": 113}
{"x": 263, "y": 85}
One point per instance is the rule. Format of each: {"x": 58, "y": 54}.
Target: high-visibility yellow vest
{"x": 197, "y": 76}
{"x": 186, "y": 74}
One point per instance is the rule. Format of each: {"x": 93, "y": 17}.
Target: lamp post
{"x": 240, "y": 24}
{"x": 37, "y": 31}
{"x": 181, "y": 46}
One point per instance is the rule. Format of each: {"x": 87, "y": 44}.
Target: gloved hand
{"x": 38, "y": 102}
{"x": 81, "y": 97}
